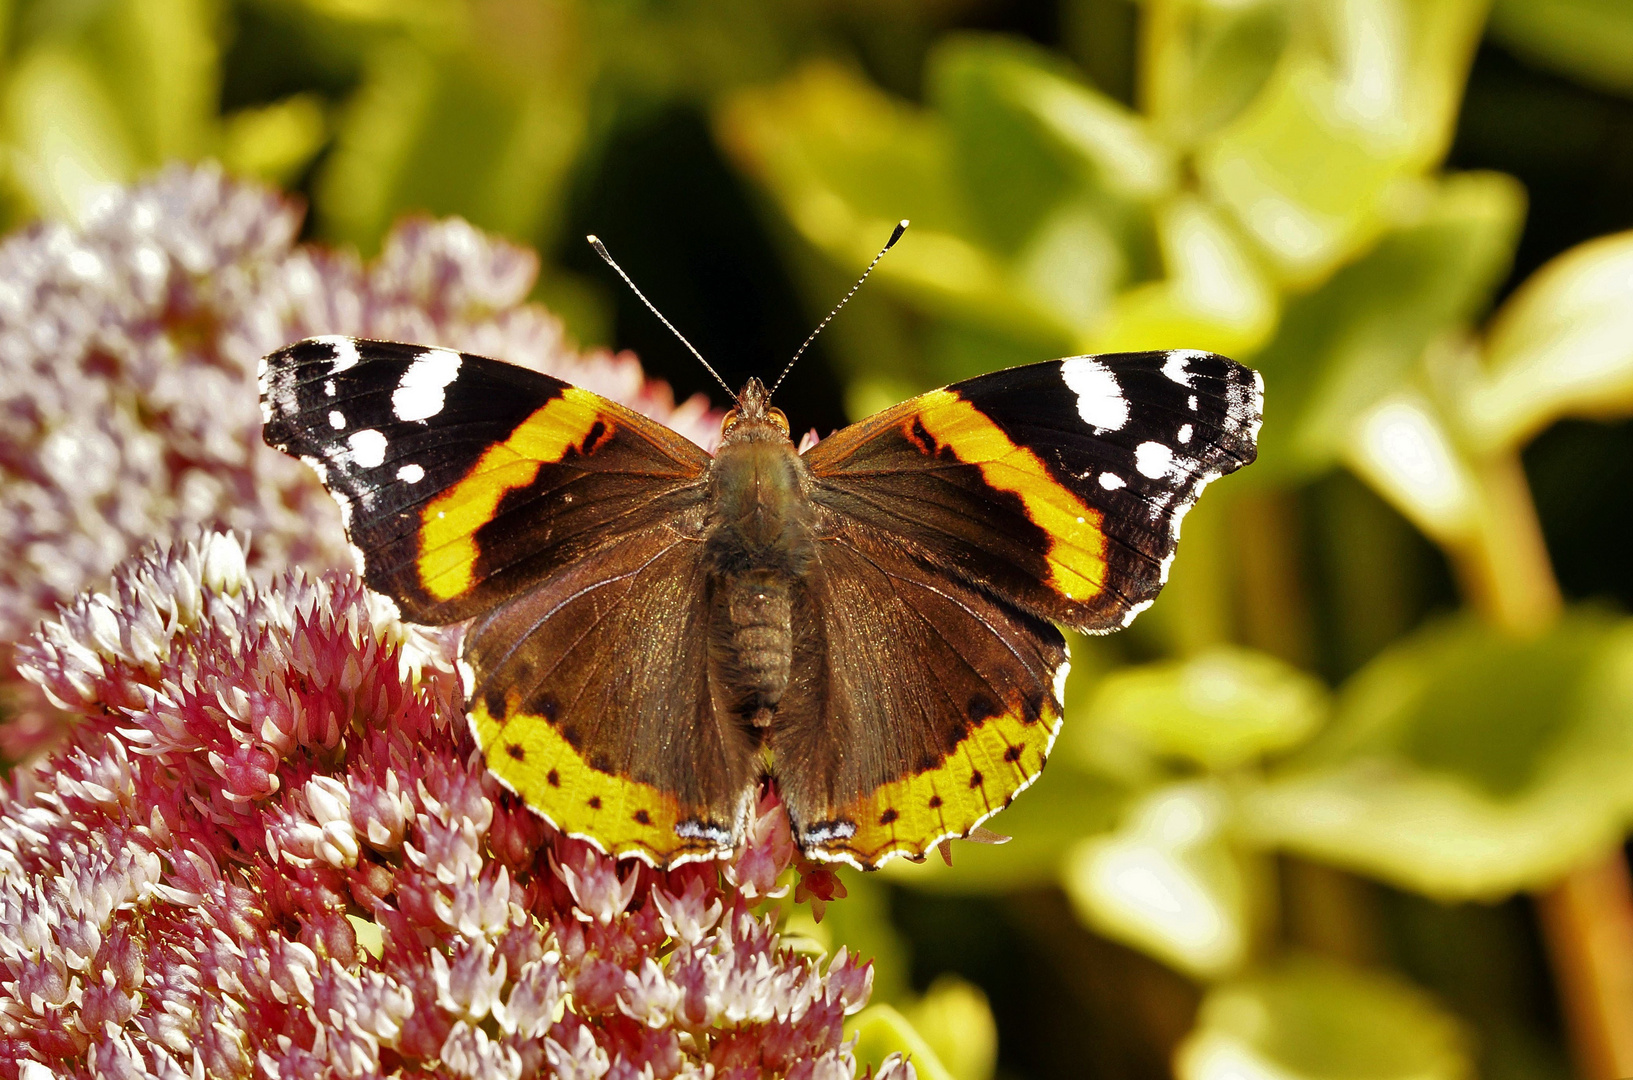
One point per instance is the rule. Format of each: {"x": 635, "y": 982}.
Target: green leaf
{"x": 1365, "y": 96}
{"x": 1072, "y": 263}
{"x": 1561, "y": 346}
{"x": 66, "y": 139}
{"x": 1590, "y": 40}
{"x": 1463, "y": 763}
{"x": 880, "y": 1031}
{"x": 956, "y": 1022}
{"x": 1219, "y": 709}
{"x": 1058, "y": 176}
{"x": 1400, "y": 446}
{"x": 274, "y": 142}
{"x": 1313, "y": 1020}
{"x": 1354, "y": 341}
{"x": 1214, "y": 296}
{"x": 845, "y": 162}
{"x": 160, "y": 60}
{"x": 1001, "y": 95}
{"x": 1064, "y": 805}
{"x": 1012, "y": 173}
{"x": 1207, "y": 61}
{"x": 1168, "y": 883}
{"x": 443, "y": 131}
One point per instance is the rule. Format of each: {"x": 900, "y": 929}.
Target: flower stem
{"x": 1587, "y": 916}
{"x": 1587, "y": 921}
{"x": 1504, "y": 569}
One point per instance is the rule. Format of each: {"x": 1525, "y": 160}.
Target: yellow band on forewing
{"x": 448, "y": 550}
{"x": 1077, "y": 544}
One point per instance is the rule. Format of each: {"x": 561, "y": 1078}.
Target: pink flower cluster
{"x": 128, "y": 352}
{"x": 270, "y": 849}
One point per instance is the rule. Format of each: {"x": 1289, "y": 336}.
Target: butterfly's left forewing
{"x": 464, "y": 480}
{"x": 980, "y": 513}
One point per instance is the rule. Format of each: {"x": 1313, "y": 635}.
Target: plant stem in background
{"x": 1587, "y": 921}
{"x": 1275, "y": 606}
{"x": 1587, "y": 917}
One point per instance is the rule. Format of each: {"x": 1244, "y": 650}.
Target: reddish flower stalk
{"x": 271, "y": 849}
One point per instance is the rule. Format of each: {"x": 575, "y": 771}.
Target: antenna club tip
{"x": 595, "y": 241}
{"x": 896, "y": 234}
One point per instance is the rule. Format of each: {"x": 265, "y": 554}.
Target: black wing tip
{"x": 323, "y": 348}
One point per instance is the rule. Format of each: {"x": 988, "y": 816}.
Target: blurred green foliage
{"x": 1257, "y": 780}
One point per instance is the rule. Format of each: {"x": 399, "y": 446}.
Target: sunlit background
{"x": 1350, "y": 801}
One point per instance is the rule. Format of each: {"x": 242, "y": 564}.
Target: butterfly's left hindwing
{"x": 592, "y": 702}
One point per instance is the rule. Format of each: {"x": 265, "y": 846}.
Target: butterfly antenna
{"x": 601, "y": 250}
{"x": 895, "y": 235}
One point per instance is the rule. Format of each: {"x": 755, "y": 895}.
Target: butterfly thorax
{"x": 758, "y": 546}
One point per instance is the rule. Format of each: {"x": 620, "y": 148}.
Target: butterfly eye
{"x": 780, "y": 419}
{"x": 731, "y": 418}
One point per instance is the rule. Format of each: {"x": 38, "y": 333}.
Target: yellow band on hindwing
{"x": 1077, "y": 544}
{"x": 994, "y": 762}
{"x": 448, "y": 548}
{"x": 618, "y": 814}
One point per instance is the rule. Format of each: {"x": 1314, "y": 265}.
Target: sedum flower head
{"x": 265, "y": 845}
{"x": 128, "y": 352}
{"x": 270, "y": 849}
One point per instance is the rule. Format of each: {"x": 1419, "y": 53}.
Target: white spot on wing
{"x": 1060, "y": 680}
{"x": 1257, "y": 406}
{"x": 1190, "y": 403}
{"x": 345, "y": 505}
{"x": 318, "y": 467}
{"x": 1174, "y": 367}
{"x": 368, "y": 448}
{"x": 1111, "y": 481}
{"x": 830, "y": 830}
{"x": 328, "y": 388}
{"x": 337, "y": 420}
{"x": 278, "y": 397}
{"x": 411, "y": 474}
{"x": 702, "y": 830}
{"x": 1134, "y": 611}
{"x": 1185, "y": 433}
{"x": 1153, "y": 459}
{"x": 345, "y": 350}
{"x": 419, "y": 395}
{"x": 1100, "y": 400}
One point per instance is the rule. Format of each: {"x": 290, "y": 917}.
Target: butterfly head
{"x": 753, "y": 418}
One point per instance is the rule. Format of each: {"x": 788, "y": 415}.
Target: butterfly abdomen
{"x": 753, "y": 641}
{"x": 758, "y": 547}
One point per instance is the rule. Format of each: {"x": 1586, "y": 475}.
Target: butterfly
{"x": 655, "y": 630}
